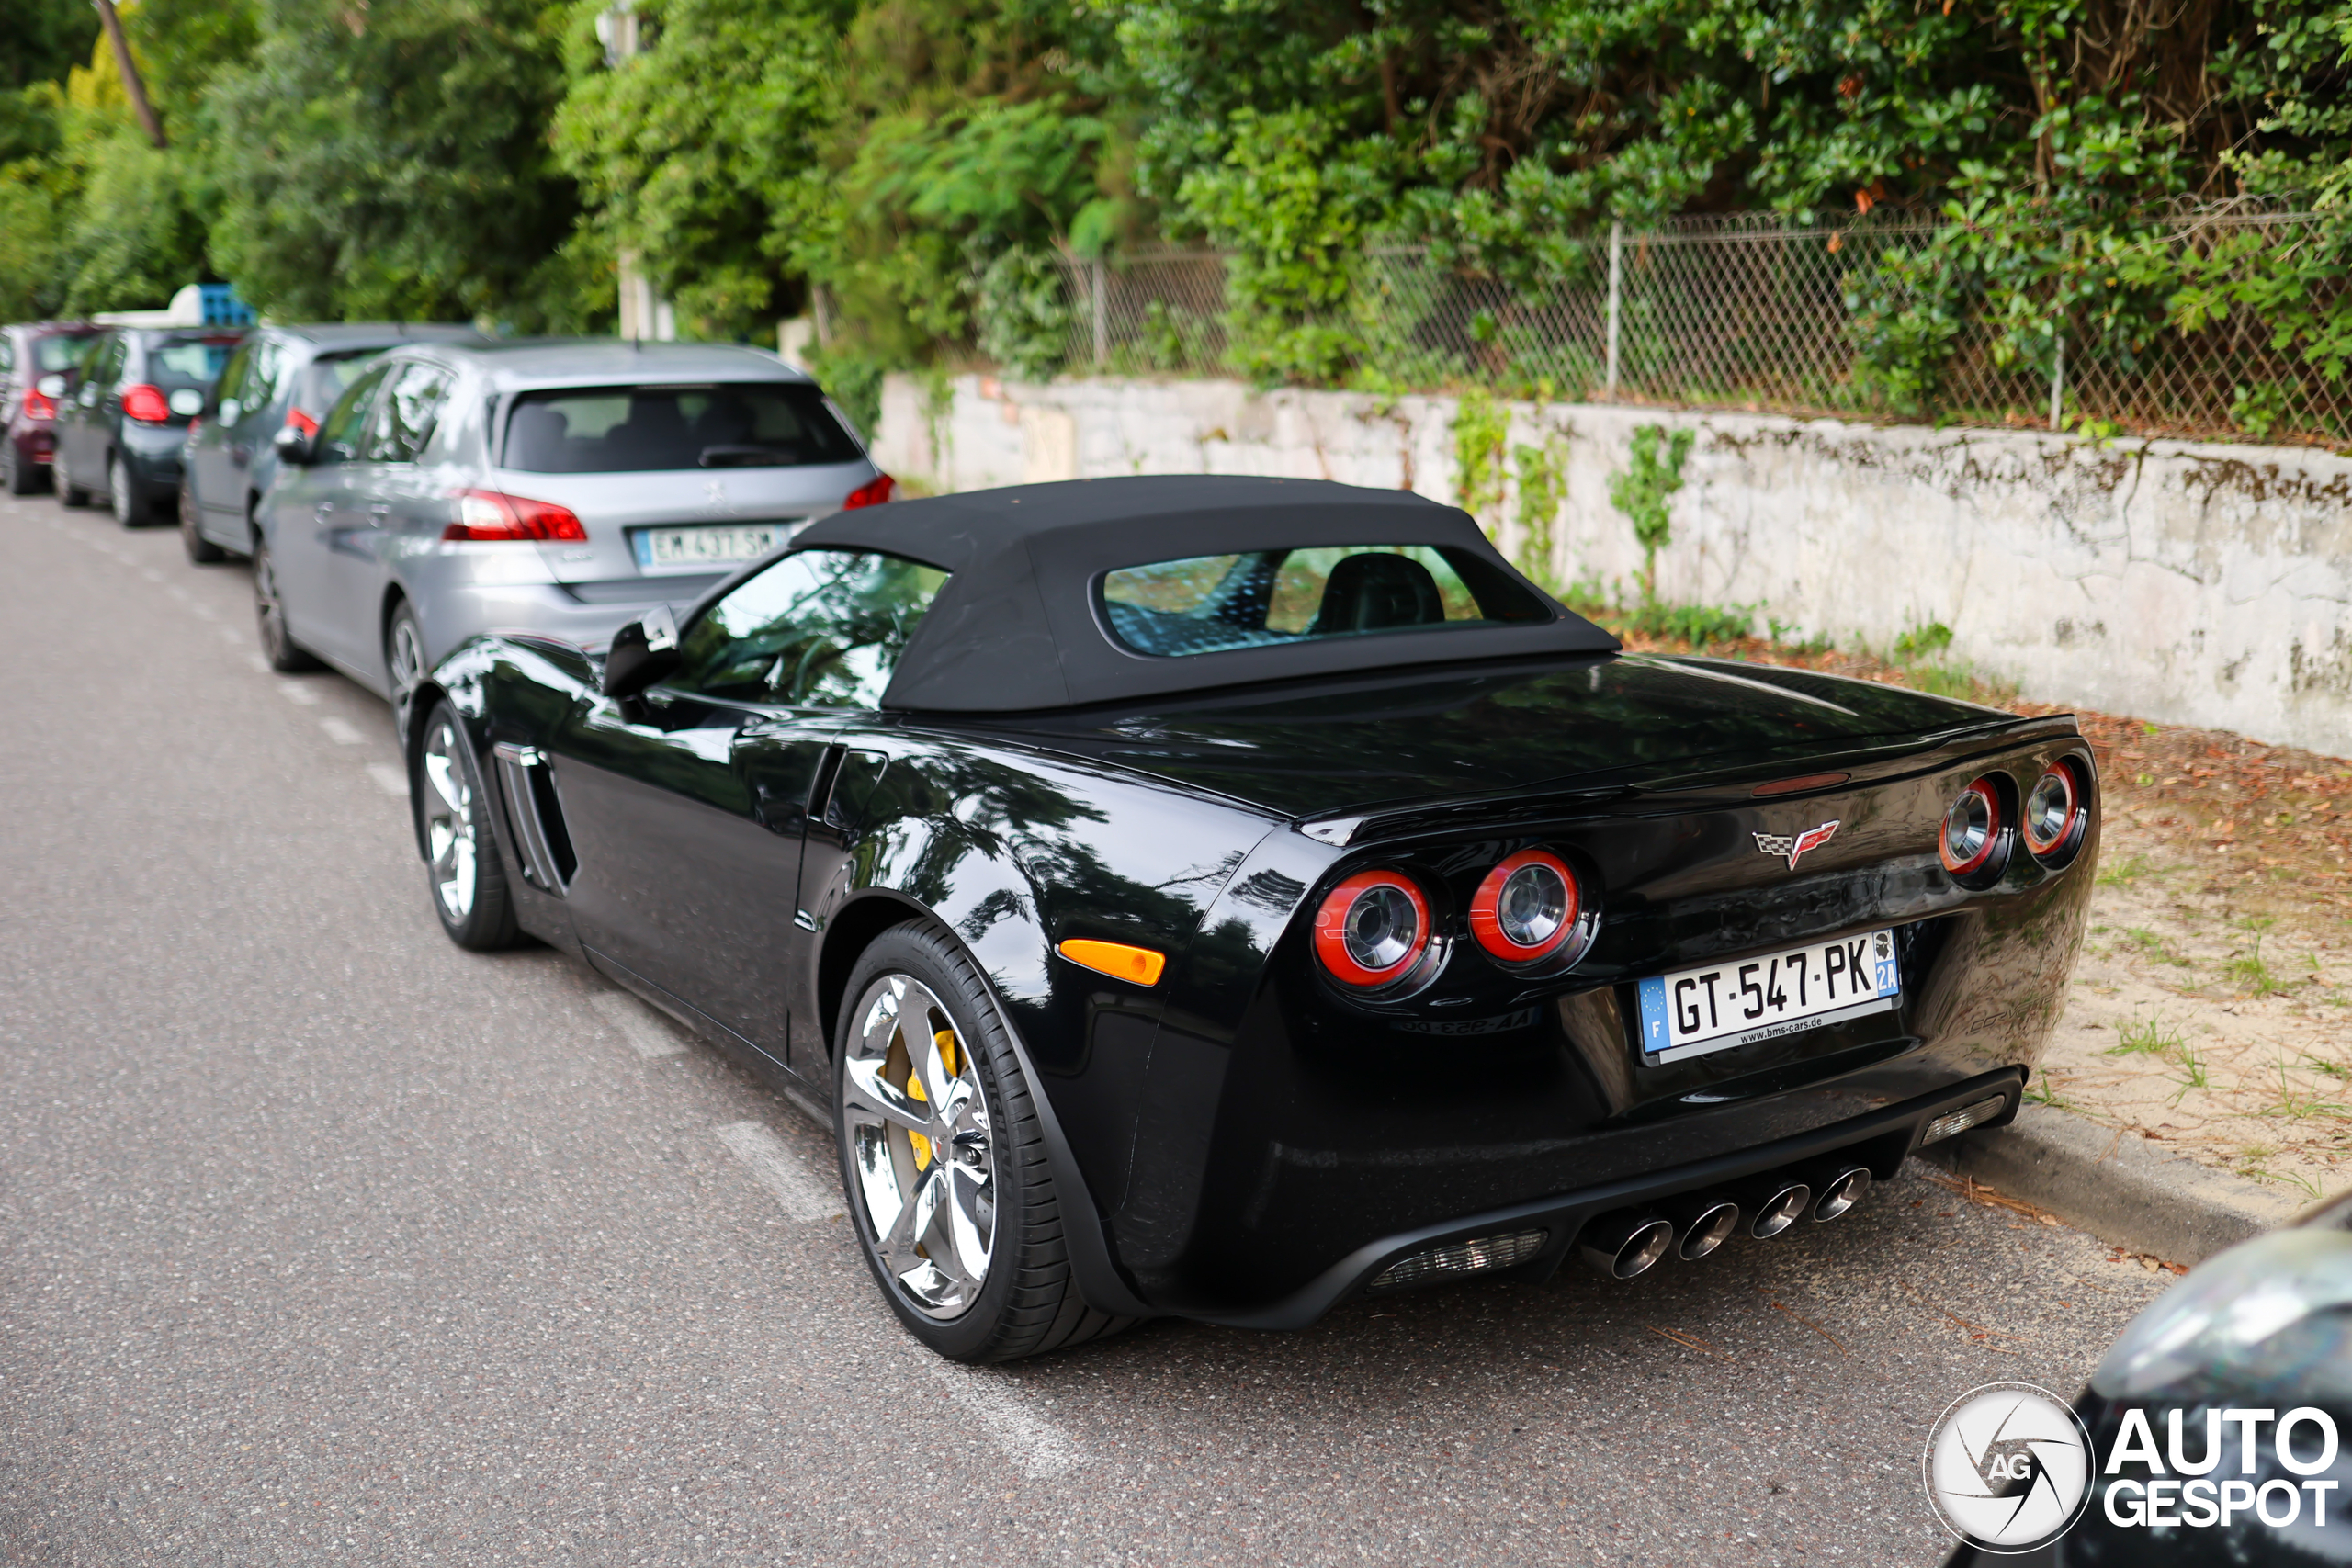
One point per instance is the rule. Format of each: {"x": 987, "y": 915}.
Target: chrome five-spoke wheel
{"x": 449, "y": 840}
{"x": 457, "y": 828}
{"x": 403, "y": 666}
{"x": 915, "y": 1120}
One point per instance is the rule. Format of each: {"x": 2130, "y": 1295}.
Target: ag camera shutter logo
{"x": 2008, "y": 1467}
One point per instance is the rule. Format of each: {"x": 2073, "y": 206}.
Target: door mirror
{"x": 292, "y": 447}
{"x": 51, "y": 386}
{"x": 643, "y": 651}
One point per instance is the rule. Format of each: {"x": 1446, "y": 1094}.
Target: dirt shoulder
{"x": 2212, "y": 1010}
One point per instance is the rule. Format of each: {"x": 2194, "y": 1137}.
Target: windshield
{"x": 1208, "y": 603}
{"x": 820, "y": 628}
{"x": 606, "y": 430}
{"x": 190, "y": 361}
{"x": 60, "y": 351}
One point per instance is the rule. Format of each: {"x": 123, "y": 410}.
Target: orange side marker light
{"x": 1116, "y": 959}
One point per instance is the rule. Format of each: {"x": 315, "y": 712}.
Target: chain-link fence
{"x": 1745, "y": 313}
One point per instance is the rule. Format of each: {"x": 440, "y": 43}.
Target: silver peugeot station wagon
{"x": 562, "y": 487}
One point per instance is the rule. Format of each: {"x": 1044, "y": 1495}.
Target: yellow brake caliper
{"x": 945, "y": 1041}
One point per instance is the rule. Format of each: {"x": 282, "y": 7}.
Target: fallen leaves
{"x": 1688, "y": 1341}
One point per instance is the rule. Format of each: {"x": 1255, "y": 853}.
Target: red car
{"x": 34, "y": 359}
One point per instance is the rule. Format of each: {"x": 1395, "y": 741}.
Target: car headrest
{"x": 1372, "y": 590}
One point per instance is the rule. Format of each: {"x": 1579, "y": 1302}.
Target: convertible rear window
{"x": 1209, "y": 604}
{"x": 610, "y": 430}
{"x": 820, "y": 628}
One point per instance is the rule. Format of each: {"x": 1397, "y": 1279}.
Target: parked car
{"x": 1224, "y": 897}
{"x": 279, "y": 376}
{"x": 2256, "y": 1347}
{"x": 35, "y": 357}
{"x": 124, "y": 419}
{"x": 559, "y": 488}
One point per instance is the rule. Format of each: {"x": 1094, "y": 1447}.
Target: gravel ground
{"x": 321, "y": 1238}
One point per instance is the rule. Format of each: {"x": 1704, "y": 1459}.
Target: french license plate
{"x": 1721, "y": 1006}
{"x": 723, "y": 545}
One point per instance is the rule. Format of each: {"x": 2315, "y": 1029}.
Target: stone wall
{"x": 2199, "y": 585}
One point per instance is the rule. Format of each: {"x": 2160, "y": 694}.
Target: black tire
{"x": 403, "y": 664}
{"x": 201, "y": 550}
{"x": 467, "y": 885}
{"x": 68, "y": 491}
{"x": 278, "y": 645}
{"x": 1026, "y": 1302}
{"x": 21, "y": 477}
{"x": 122, "y": 493}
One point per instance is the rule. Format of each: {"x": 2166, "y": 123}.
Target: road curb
{"x": 2117, "y": 1188}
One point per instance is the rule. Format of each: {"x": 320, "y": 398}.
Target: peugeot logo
{"x": 1776, "y": 845}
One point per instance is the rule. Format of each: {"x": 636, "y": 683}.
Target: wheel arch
{"x": 847, "y": 936}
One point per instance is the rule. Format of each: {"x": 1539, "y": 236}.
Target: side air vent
{"x": 537, "y": 815}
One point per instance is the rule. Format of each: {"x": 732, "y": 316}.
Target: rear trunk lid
{"x": 1613, "y": 723}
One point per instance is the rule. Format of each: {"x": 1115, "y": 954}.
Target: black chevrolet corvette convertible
{"x": 1222, "y": 897}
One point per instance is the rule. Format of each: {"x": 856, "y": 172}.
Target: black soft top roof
{"x": 1017, "y": 627}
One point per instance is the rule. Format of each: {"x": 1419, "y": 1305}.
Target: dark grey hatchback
{"x": 281, "y": 377}
{"x": 126, "y": 411}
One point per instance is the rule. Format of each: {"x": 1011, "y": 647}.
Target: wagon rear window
{"x": 609, "y": 430}
{"x": 1209, "y": 604}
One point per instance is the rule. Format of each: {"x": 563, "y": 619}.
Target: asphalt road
{"x": 320, "y": 1239}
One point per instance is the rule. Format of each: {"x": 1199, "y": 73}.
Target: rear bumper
{"x": 35, "y": 442}
{"x": 152, "y": 456}
{"x": 451, "y": 612}
{"x": 1881, "y": 1140}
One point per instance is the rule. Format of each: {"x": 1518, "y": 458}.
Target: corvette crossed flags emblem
{"x": 1776, "y": 845}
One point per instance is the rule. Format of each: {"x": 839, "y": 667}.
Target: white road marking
{"x": 650, "y": 1036}
{"x": 300, "y": 696}
{"x": 1038, "y": 1449}
{"x": 260, "y": 664}
{"x": 203, "y": 612}
{"x": 176, "y": 591}
{"x": 148, "y": 572}
{"x": 774, "y": 1167}
{"x": 388, "y": 779}
{"x": 341, "y": 731}
{"x": 232, "y": 636}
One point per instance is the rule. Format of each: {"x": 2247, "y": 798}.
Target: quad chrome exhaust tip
{"x": 1770, "y": 1204}
{"x": 1626, "y": 1241}
{"x": 1702, "y": 1222}
{"x": 1838, "y": 1186}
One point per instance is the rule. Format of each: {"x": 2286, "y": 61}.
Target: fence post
{"x": 1094, "y": 287}
{"x": 1616, "y": 294}
{"x": 2058, "y": 387}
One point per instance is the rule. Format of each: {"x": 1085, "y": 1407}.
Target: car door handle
{"x": 378, "y": 512}
{"x": 325, "y": 510}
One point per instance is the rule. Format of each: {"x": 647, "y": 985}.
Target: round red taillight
{"x": 1526, "y": 908}
{"x": 2053, "y": 809}
{"x": 1372, "y": 930}
{"x": 146, "y": 404}
{"x": 1972, "y": 829}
